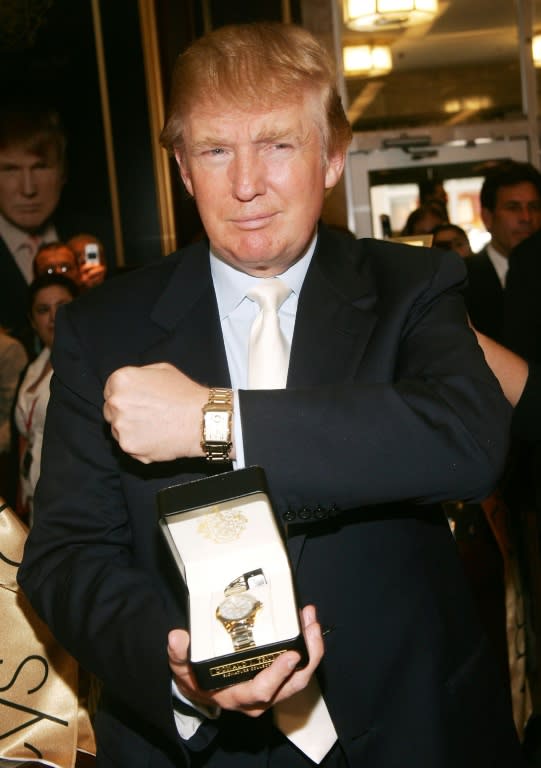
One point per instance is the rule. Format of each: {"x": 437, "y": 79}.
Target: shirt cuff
{"x": 189, "y": 716}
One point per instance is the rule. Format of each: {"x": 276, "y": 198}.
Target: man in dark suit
{"x": 522, "y": 333}
{"x": 522, "y": 306}
{"x": 389, "y": 409}
{"x": 511, "y": 212}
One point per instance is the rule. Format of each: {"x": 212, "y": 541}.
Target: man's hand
{"x": 253, "y": 697}
{"x": 155, "y": 412}
{"x": 92, "y": 274}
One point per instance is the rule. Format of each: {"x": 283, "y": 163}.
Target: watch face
{"x": 237, "y": 607}
{"x": 217, "y": 426}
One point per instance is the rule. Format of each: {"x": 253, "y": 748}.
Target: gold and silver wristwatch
{"x": 238, "y": 611}
{"x": 216, "y": 425}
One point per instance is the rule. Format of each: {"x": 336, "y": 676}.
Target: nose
{"x": 28, "y": 183}
{"x": 247, "y": 174}
{"x": 526, "y": 214}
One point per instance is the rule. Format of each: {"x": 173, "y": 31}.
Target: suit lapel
{"x": 335, "y": 319}
{"x": 188, "y": 332}
{"x": 335, "y": 315}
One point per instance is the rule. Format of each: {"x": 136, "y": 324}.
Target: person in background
{"x": 92, "y": 268}
{"x": 47, "y": 293}
{"x": 510, "y": 200}
{"x": 521, "y": 383}
{"x": 32, "y": 175}
{"x": 423, "y": 220}
{"x": 522, "y": 307}
{"x": 57, "y": 258}
{"x": 451, "y": 237}
{"x": 13, "y": 359}
{"x": 433, "y": 191}
{"x": 513, "y": 373}
{"x": 511, "y": 212}
{"x": 385, "y": 409}
{"x": 522, "y": 334}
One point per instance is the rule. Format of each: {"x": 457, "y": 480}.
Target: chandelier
{"x": 367, "y": 14}
{"x": 367, "y": 60}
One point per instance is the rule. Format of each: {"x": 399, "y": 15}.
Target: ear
{"x": 184, "y": 170}
{"x": 486, "y": 217}
{"x": 335, "y": 167}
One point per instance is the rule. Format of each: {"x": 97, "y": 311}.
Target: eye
{"x": 215, "y": 151}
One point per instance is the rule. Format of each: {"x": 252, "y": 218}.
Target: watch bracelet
{"x": 219, "y": 398}
{"x": 242, "y": 636}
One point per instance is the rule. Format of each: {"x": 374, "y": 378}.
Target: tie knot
{"x": 269, "y": 293}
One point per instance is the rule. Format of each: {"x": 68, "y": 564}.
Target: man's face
{"x": 516, "y": 216}
{"x": 259, "y": 180}
{"x": 61, "y": 260}
{"x": 30, "y": 187}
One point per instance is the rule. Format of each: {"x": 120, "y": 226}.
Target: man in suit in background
{"x": 522, "y": 334}
{"x": 388, "y": 409}
{"x": 511, "y": 212}
{"x": 32, "y": 174}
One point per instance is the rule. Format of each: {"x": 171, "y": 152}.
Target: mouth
{"x": 34, "y": 208}
{"x": 255, "y": 221}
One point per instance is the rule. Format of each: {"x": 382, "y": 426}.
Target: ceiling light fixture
{"x": 367, "y": 60}
{"x": 536, "y": 50}
{"x": 367, "y": 14}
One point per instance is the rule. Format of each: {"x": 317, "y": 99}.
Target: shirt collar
{"x": 499, "y": 262}
{"x": 231, "y": 285}
{"x": 15, "y": 237}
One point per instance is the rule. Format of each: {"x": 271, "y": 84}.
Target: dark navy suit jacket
{"x": 389, "y": 409}
{"x": 484, "y": 296}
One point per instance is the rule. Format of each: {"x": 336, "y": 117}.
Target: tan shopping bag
{"x": 41, "y": 720}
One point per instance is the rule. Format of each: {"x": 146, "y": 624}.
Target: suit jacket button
{"x": 289, "y": 516}
{"x": 305, "y": 513}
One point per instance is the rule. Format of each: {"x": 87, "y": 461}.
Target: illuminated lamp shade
{"x": 367, "y": 59}
{"x": 370, "y": 14}
{"x": 536, "y": 50}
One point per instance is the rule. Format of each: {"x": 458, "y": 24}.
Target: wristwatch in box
{"x": 237, "y": 613}
{"x": 216, "y": 425}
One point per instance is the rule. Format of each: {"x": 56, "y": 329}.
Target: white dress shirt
{"x": 23, "y": 247}
{"x": 237, "y": 313}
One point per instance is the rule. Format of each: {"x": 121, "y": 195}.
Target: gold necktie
{"x": 304, "y": 717}
{"x": 268, "y": 350}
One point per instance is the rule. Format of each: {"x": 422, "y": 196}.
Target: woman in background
{"x": 46, "y": 294}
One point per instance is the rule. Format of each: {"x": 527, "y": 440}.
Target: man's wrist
{"x": 217, "y": 425}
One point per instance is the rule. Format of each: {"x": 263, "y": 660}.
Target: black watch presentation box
{"x": 230, "y": 552}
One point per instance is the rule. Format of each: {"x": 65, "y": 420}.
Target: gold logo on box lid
{"x": 223, "y": 526}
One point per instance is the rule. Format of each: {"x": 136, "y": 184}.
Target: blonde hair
{"x": 265, "y": 64}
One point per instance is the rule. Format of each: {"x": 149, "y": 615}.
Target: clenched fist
{"x": 155, "y": 412}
